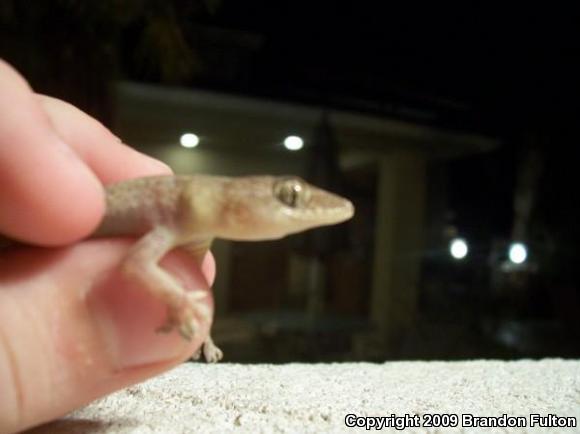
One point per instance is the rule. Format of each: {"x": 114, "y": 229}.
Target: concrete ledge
{"x": 315, "y": 398}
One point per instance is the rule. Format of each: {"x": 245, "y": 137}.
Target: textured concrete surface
{"x": 315, "y": 398}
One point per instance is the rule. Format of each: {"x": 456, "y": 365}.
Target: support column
{"x": 399, "y": 243}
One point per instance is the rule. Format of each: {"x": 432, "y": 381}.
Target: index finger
{"x": 102, "y": 151}
{"x": 48, "y": 195}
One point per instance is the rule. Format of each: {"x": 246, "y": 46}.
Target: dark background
{"x": 510, "y": 75}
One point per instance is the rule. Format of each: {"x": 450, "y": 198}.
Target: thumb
{"x": 73, "y": 329}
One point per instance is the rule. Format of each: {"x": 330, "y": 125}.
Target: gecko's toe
{"x": 196, "y": 355}
{"x": 214, "y": 357}
{"x": 187, "y": 329}
{"x": 182, "y": 320}
{"x": 184, "y": 315}
{"x": 168, "y": 326}
{"x": 165, "y": 328}
{"x": 201, "y": 309}
{"x": 212, "y": 353}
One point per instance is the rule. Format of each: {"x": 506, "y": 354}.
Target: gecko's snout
{"x": 329, "y": 207}
{"x": 348, "y": 209}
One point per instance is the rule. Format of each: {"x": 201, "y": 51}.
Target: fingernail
{"x": 158, "y": 166}
{"x": 127, "y": 318}
{"x": 161, "y": 166}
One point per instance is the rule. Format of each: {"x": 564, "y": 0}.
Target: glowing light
{"x": 518, "y": 253}
{"x": 293, "y": 143}
{"x": 458, "y": 248}
{"x": 189, "y": 140}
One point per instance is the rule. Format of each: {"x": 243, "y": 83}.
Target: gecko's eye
{"x": 292, "y": 192}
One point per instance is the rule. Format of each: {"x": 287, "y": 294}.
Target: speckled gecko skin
{"x": 189, "y": 212}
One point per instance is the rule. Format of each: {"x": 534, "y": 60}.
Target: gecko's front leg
{"x": 211, "y": 352}
{"x": 142, "y": 264}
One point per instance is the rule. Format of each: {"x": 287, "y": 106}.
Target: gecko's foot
{"x": 184, "y": 316}
{"x": 211, "y": 352}
{"x": 185, "y": 327}
{"x": 196, "y": 355}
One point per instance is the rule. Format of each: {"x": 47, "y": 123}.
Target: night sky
{"x": 497, "y": 68}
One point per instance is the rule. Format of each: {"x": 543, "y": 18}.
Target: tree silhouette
{"x": 73, "y": 49}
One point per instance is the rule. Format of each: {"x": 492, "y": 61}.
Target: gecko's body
{"x": 167, "y": 212}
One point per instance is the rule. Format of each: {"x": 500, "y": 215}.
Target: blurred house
{"x": 372, "y": 278}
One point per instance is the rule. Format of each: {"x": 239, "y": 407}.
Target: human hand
{"x": 72, "y": 328}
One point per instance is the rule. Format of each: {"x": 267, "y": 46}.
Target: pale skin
{"x": 74, "y": 324}
{"x": 72, "y": 328}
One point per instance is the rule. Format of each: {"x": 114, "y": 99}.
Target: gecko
{"x": 190, "y": 211}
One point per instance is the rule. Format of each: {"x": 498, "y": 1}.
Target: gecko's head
{"x": 267, "y": 207}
